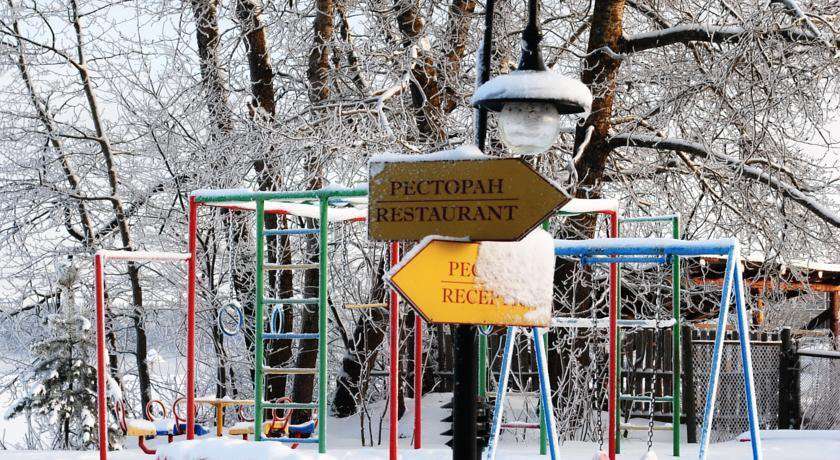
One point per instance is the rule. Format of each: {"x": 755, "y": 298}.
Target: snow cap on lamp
{"x": 532, "y": 100}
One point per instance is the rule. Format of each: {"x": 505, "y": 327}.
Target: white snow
{"x": 521, "y": 272}
{"x": 335, "y": 213}
{"x": 462, "y": 152}
{"x": 140, "y": 424}
{"x": 227, "y": 449}
{"x": 583, "y": 205}
{"x": 343, "y": 444}
{"x": 653, "y": 246}
{"x": 532, "y": 84}
{"x": 142, "y": 255}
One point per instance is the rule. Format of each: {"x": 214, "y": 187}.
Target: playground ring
{"x": 486, "y": 329}
{"x": 231, "y": 311}
{"x": 276, "y": 324}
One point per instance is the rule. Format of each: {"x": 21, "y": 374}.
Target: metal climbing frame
{"x": 635, "y": 250}
{"x": 100, "y": 259}
{"x": 316, "y": 203}
{"x": 676, "y": 388}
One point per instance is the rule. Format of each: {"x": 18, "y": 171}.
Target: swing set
{"x": 326, "y": 206}
{"x": 615, "y": 251}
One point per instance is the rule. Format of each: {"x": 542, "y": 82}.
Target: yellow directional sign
{"x": 439, "y": 282}
{"x": 493, "y": 200}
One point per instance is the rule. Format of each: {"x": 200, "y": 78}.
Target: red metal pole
{"x": 191, "y": 272}
{"x": 613, "y": 334}
{"x": 101, "y": 384}
{"x": 418, "y": 381}
{"x": 394, "y": 344}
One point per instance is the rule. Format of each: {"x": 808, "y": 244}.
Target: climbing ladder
{"x": 675, "y": 323}
{"x": 260, "y": 369}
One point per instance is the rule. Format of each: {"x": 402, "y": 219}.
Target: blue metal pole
{"x": 746, "y": 360}
{"x": 501, "y": 392}
{"x": 545, "y": 394}
{"x": 714, "y": 375}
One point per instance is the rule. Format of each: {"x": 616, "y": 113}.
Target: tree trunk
{"x": 368, "y": 337}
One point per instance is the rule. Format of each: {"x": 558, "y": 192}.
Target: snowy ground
{"x": 343, "y": 444}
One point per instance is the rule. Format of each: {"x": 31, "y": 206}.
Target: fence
{"x": 810, "y": 384}
{"x": 730, "y": 417}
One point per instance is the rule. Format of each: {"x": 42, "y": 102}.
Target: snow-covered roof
{"x": 548, "y": 86}
{"x": 351, "y": 210}
{"x": 142, "y": 256}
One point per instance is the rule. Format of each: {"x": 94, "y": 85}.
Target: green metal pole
{"x": 543, "y": 428}
{"x": 258, "y": 324}
{"x": 322, "y": 327}
{"x": 676, "y": 406}
{"x": 617, "y": 351}
{"x": 482, "y": 365}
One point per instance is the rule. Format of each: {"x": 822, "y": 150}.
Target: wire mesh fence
{"x": 730, "y": 417}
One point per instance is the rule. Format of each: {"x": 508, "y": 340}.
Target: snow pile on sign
{"x": 228, "y": 449}
{"x": 462, "y": 152}
{"x": 520, "y": 272}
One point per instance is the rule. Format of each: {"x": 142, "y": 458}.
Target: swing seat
{"x": 165, "y": 427}
{"x": 140, "y": 428}
{"x": 302, "y": 429}
{"x": 182, "y": 428}
{"x": 649, "y": 455}
{"x": 246, "y": 428}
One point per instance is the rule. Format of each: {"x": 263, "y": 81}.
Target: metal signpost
{"x": 490, "y": 200}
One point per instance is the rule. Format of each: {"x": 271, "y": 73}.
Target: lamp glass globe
{"x": 529, "y": 128}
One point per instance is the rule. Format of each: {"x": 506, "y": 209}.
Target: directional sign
{"x": 495, "y": 200}
{"x": 439, "y": 282}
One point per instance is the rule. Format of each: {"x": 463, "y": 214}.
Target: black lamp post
{"x": 531, "y": 101}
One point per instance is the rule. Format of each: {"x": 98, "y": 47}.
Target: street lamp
{"x": 532, "y": 101}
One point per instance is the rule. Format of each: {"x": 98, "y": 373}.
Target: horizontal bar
{"x": 361, "y": 306}
{"x": 522, "y": 425}
{"x": 214, "y": 196}
{"x": 291, "y": 266}
{"x": 292, "y": 231}
{"x": 753, "y": 343}
{"x": 624, "y": 260}
{"x": 645, "y": 427}
{"x": 291, "y": 336}
{"x": 819, "y": 353}
{"x": 660, "y": 399}
{"x": 662, "y": 218}
{"x": 603, "y": 323}
{"x": 289, "y": 370}
{"x": 644, "y": 246}
{"x": 290, "y": 405}
{"x": 295, "y": 440}
{"x": 308, "y": 301}
{"x": 143, "y": 256}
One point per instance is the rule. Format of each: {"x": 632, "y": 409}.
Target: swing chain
{"x": 653, "y": 374}
{"x": 593, "y": 365}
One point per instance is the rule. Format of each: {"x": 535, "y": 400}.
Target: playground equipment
{"x": 675, "y": 323}
{"x": 140, "y": 428}
{"x": 608, "y": 208}
{"x": 326, "y": 206}
{"x": 657, "y": 250}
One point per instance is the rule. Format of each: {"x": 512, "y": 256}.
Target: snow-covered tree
{"x": 62, "y": 383}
